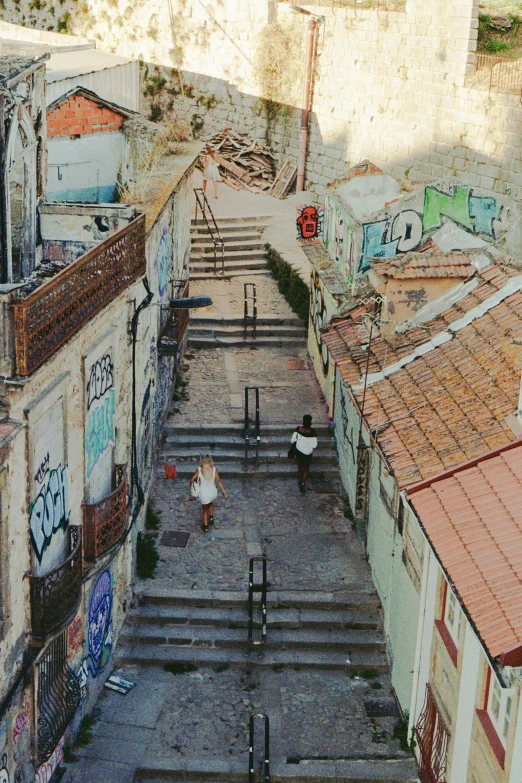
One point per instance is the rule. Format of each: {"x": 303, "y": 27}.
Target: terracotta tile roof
{"x": 472, "y": 519}
{"x": 449, "y": 405}
{"x": 426, "y": 264}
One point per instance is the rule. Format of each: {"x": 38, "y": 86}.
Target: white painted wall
{"x": 84, "y": 166}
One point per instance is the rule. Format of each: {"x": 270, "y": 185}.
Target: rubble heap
{"x": 243, "y": 162}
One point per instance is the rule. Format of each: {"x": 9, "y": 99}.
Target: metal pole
{"x": 255, "y": 310}
{"x": 263, "y": 605}
{"x": 258, "y": 426}
{"x": 245, "y": 311}
{"x": 251, "y": 751}
{"x": 305, "y": 115}
{"x": 250, "y": 602}
{"x": 267, "y": 749}
{"x": 247, "y": 431}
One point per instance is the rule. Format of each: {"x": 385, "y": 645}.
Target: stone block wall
{"x": 393, "y": 83}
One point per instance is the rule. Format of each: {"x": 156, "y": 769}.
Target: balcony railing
{"x": 56, "y": 311}
{"x": 105, "y": 522}
{"x": 55, "y": 596}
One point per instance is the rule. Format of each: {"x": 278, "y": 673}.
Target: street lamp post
{"x": 313, "y": 23}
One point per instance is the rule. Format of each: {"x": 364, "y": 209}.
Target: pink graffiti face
{"x": 308, "y": 222}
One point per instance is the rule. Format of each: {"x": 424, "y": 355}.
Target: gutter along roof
{"x": 472, "y": 519}
{"x": 438, "y": 394}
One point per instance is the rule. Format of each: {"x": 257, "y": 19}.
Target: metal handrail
{"x": 257, "y": 422}
{"x": 247, "y": 317}
{"x": 256, "y": 588}
{"x": 219, "y": 241}
{"x": 266, "y": 761}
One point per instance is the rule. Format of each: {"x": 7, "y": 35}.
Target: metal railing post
{"x": 251, "y": 747}
{"x": 246, "y": 316}
{"x": 247, "y": 424}
{"x": 258, "y": 427}
{"x": 217, "y": 240}
{"x": 257, "y": 588}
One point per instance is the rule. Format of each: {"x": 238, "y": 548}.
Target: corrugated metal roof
{"x": 472, "y": 518}
{"x": 67, "y": 65}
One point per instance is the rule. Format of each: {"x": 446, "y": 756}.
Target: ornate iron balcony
{"x": 59, "y": 308}
{"x": 55, "y": 596}
{"x": 105, "y": 522}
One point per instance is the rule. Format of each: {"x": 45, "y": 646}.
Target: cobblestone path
{"x": 322, "y": 677}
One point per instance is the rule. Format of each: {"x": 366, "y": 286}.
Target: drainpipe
{"x": 305, "y": 115}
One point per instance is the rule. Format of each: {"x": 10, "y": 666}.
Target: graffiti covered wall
{"x": 49, "y": 481}
{"x": 100, "y": 410}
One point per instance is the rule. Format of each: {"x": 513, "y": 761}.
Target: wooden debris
{"x": 284, "y": 179}
{"x": 247, "y": 164}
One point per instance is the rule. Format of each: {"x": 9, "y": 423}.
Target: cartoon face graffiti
{"x": 100, "y": 623}
{"x": 308, "y": 223}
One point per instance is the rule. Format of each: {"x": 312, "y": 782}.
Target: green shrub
{"x": 152, "y": 520}
{"x": 294, "y": 290}
{"x": 84, "y": 735}
{"x": 497, "y": 46}
{"x": 146, "y": 555}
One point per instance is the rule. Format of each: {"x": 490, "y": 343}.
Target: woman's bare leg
{"x": 204, "y": 186}
{"x": 215, "y": 189}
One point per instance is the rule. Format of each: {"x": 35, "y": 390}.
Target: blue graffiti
{"x": 99, "y": 433}
{"x": 485, "y": 210}
{"x": 163, "y": 262}
{"x": 374, "y": 245}
{"x": 99, "y": 633}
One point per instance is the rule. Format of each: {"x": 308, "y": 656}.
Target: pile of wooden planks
{"x": 243, "y": 162}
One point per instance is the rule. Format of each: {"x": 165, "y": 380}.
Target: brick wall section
{"x": 78, "y": 115}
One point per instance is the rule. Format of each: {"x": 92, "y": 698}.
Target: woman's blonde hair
{"x": 207, "y": 467}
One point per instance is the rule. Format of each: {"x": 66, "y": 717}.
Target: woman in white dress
{"x": 305, "y": 439}
{"x": 211, "y": 170}
{"x": 207, "y": 477}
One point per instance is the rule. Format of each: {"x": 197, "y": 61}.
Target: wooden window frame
{"x": 490, "y": 723}
{"x": 444, "y": 629}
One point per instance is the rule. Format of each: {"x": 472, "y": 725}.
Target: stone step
{"x": 269, "y": 431}
{"x": 261, "y": 341}
{"x": 212, "y": 637}
{"x": 309, "y": 600}
{"x": 223, "y": 440}
{"x": 201, "y": 247}
{"x": 241, "y": 256}
{"x": 228, "y": 275}
{"x": 217, "y": 319}
{"x": 159, "y": 655}
{"x": 238, "y": 235}
{"x": 212, "y": 329}
{"x": 222, "y": 222}
{"x": 240, "y": 470}
{"x": 233, "y": 617}
{"x": 237, "y": 453}
{"x": 357, "y": 770}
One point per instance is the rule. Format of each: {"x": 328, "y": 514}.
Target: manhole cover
{"x": 323, "y": 486}
{"x": 381, "y": 708}
{"x": 174, "y": 538}
{"x": 295, "y": 364}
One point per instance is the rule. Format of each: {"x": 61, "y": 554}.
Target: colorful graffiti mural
{"x": 74, "y": 636}
{"x": 4, "y": 774}
{"x": 50, "y": 510}
{"x": 408, "y": 230}
{"x": 318, "y": 318}
{"x": 100, "y": 379}
{"x": 20, "y": 723}
{"x": 99, "y": 632}
{"x": 309, "y": 224}
{"x": 99, "y": 433}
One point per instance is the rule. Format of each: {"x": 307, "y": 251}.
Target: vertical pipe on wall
{"x": 305, "y": 115}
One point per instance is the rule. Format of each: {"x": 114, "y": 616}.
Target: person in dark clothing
{"x": 305, "y": 439}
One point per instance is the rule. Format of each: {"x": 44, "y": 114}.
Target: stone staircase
{"x": 184, "y": 447}
{"x": 244, "y": 248}
{"x": 309, "y": 630}
{"x": 306, "y": 631}
{"x": 214, "y": 331}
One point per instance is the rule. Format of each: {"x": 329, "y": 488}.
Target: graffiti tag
{"x": 50, "y": 510}
{"x": 43, "y": 470}
{"x": 162, "y": 262}
{"x": 99, "y": 634}
{"x": 46, "y": 771}
{"x": 318, "y": 317}
{"x": 99, "y": 432}
{"x": 100, "y": 379}
{"x": 408, "y": 230}
{"x": 74, "y": 636}
{"x": 20, "y": 724}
